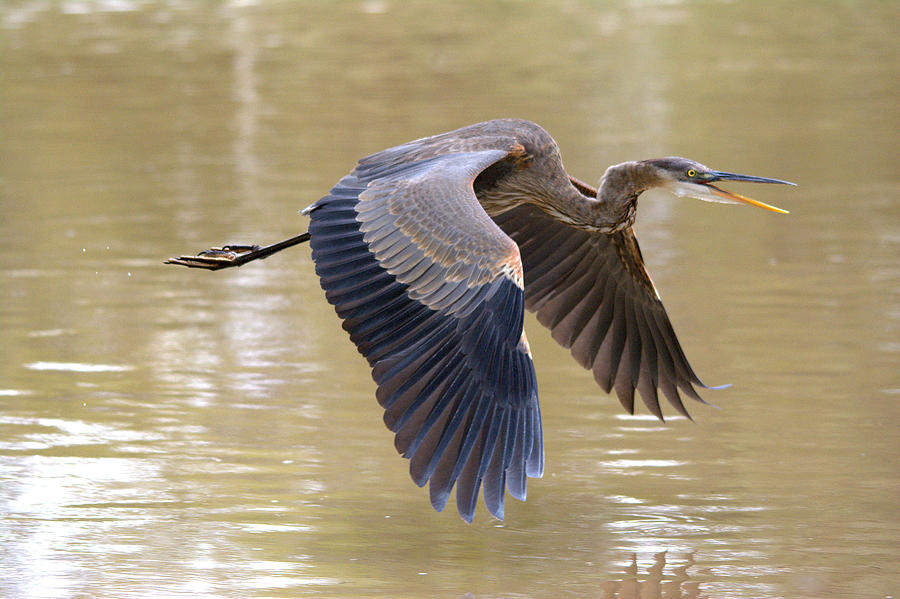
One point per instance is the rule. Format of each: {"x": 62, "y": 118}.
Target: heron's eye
{"x": 691, "y": 173}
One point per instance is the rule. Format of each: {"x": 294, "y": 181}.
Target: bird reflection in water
{"x": 432, "y": 250}
{"x": 655, "y": 584}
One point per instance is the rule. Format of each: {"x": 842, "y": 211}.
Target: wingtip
{"x": 713, "y": 388}
{"x": 535, "y": 469}
{"x": 439, "y": 499}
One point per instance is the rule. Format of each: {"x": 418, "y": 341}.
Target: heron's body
{"x": 431, "y": 251}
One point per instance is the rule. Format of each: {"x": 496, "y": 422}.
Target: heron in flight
{"x": 431, "y": 251}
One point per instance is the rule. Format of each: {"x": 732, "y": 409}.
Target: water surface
{"x": 175, "y": 433}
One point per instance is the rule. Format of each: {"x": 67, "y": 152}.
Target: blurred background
{"x": 174, "y": 433}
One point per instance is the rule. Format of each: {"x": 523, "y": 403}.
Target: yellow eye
{"x": 691, "y": 173}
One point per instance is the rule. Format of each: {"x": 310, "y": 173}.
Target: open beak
{"x": 731, "y": 197}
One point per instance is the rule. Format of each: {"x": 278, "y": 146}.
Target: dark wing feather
{"x": 430, "y": 290}
{"x": 594, "y": 294}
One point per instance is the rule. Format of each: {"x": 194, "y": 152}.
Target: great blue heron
{"x": 431, "y": 251}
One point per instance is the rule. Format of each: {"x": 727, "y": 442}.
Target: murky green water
{"x": 175, "y": 433}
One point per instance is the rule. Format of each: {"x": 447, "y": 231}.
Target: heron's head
{"x": 685, "y": 177}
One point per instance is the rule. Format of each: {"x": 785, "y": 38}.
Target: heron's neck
{"x": 626, "y": 181}
{"x": 618, "y": 193}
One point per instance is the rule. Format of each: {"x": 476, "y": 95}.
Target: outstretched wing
{"x": 594, "y": 294}
{"x": 430, "y": 290}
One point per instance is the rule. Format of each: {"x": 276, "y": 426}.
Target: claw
{"x": 231, "y": 249}
{"x": 206, "y": 259}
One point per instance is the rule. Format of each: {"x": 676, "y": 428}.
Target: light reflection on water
{"x": 76, "y": 367}
{"x": 169, "y": 433}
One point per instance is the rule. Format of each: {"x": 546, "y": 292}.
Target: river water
{"x": 166, "y": 432}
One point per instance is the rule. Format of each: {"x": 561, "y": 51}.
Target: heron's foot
{"x": 216, "y": 258}
{"x": 235, "y": 254}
